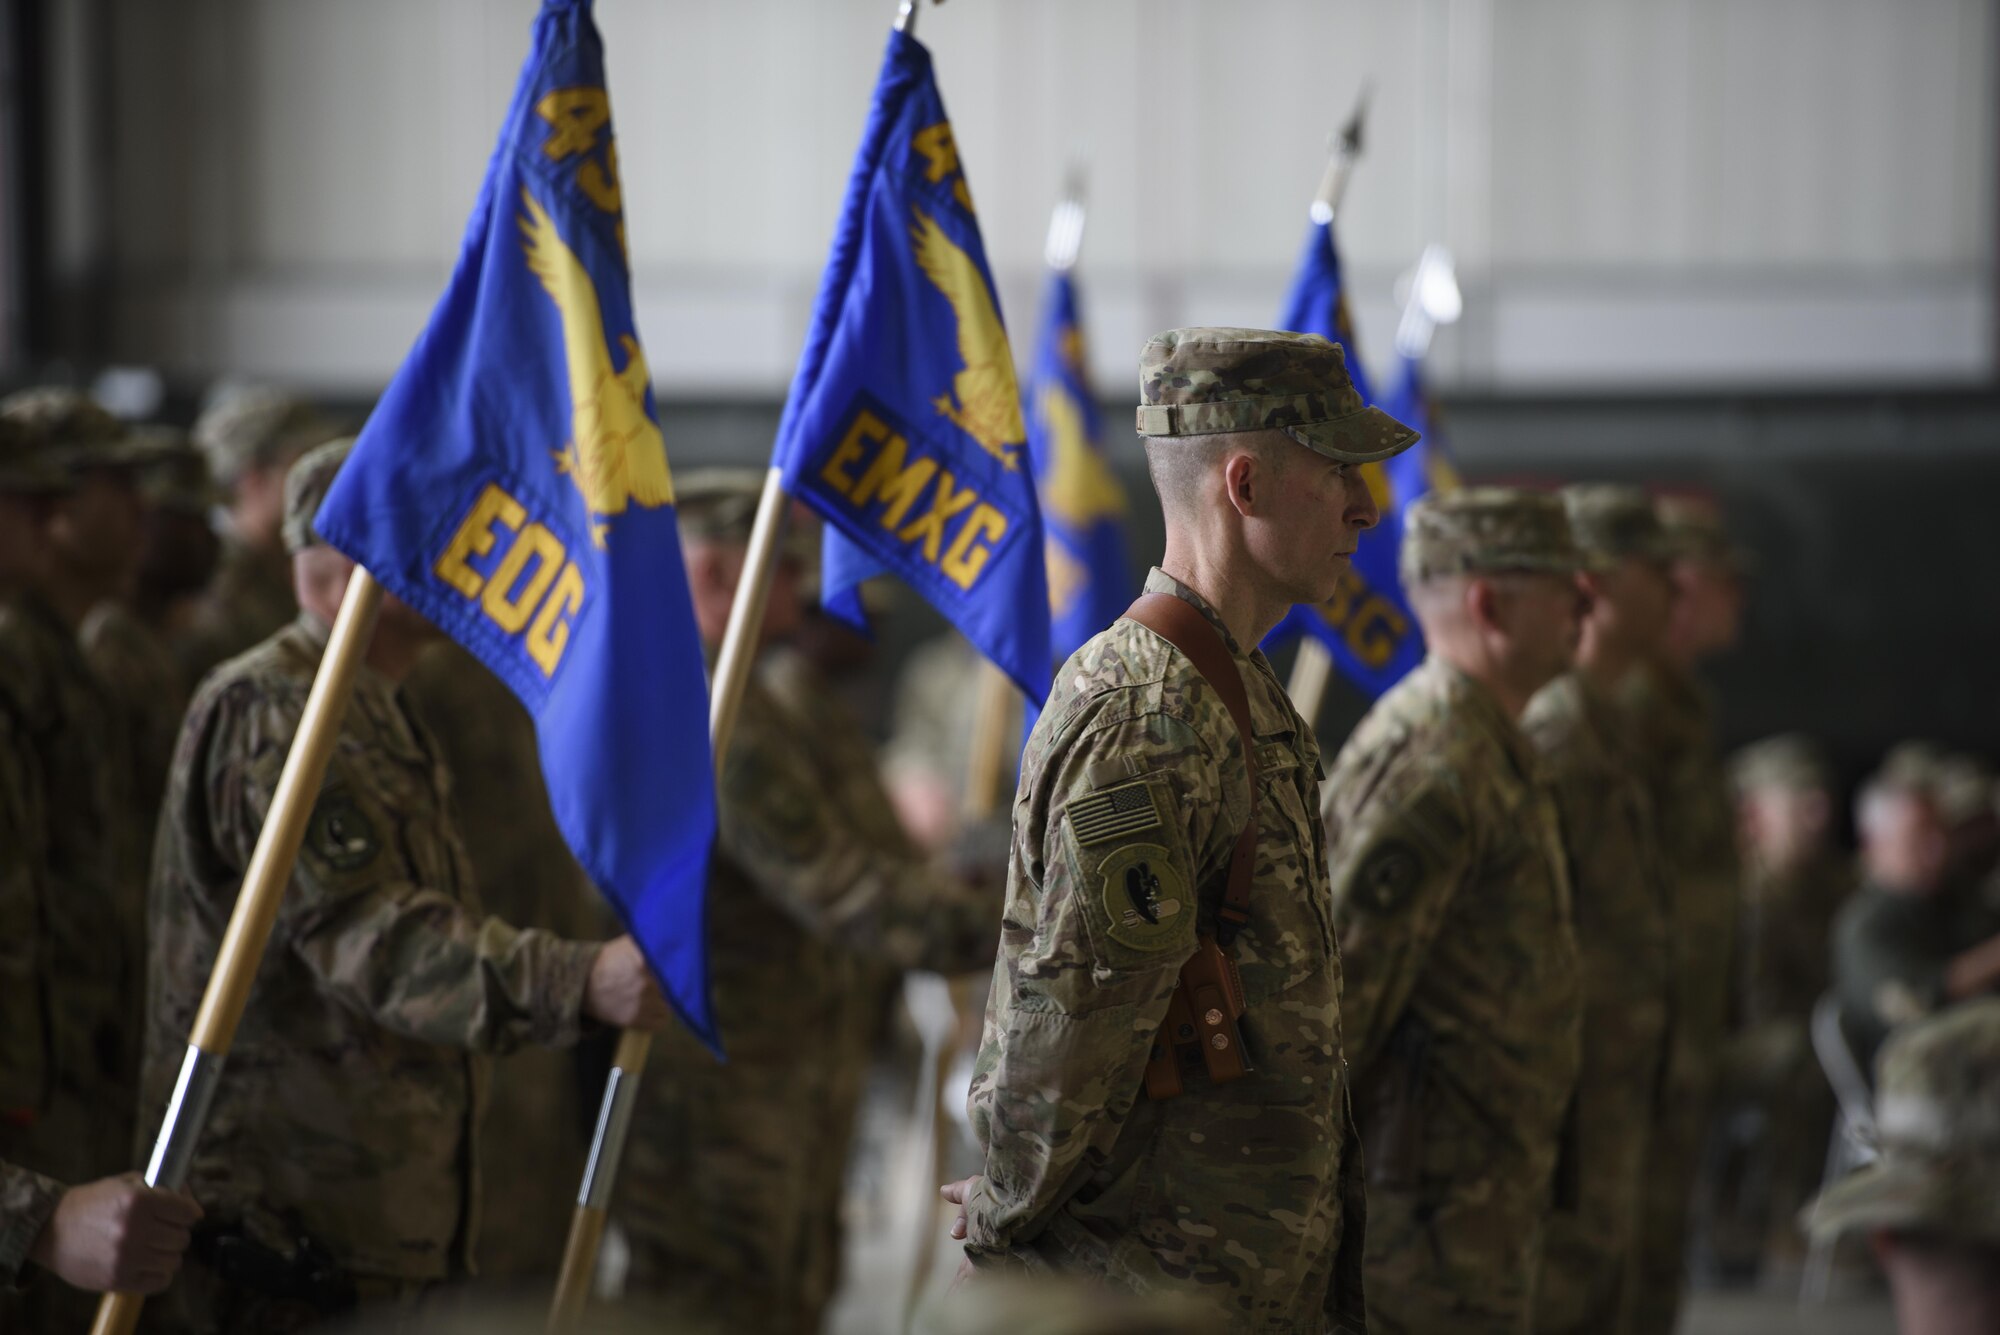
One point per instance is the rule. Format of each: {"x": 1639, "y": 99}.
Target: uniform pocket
{"x": 1394, "y": 1109}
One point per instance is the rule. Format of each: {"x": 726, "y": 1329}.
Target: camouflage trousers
{"x": 1456, "y": 1261}
{"x": 1674, "y": 1161}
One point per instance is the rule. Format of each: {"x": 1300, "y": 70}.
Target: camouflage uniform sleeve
{"x": 881, "y": 902}
{"x": 415, "y": 958}
{"x": 26, "y": 1201}
{"x": 1100, "y": 917}
{"x": 1395, "y": 867}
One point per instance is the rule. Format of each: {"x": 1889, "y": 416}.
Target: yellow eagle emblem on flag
{"x": 615, "y": 454}
{"x": 984, "y": 402}
{"x": 1081, "y": 488}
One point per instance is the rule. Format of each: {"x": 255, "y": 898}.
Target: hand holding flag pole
{"x": 250, "y": 922}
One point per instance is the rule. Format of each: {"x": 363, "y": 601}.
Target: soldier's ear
{"x": 1241, "y": 482}
{"x": 1482, "y": 604}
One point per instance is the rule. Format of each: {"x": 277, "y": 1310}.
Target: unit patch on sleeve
{"x": 341, "y": 834}
{"x": 1146, "y": 898}
{"x": 1114, "y": 813}
{"x": 1387, "y": 877}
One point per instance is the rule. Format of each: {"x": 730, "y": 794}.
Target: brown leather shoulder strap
{"x": 1177, "y": 621}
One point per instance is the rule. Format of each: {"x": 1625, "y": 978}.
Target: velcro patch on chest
{"x": 1146, "y": 900}
{"x": 341, "y": 835}
{"x": 1114, "y": 813}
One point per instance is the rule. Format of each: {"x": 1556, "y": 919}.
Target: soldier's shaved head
{"x": 1187, "y": 470}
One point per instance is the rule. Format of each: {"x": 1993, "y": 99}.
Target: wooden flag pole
{"x": 614, "y": 1114}
{"x": 1312, "y": 669}
{"x": 250, "y": 922}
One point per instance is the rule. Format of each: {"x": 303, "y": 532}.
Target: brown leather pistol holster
{"x": 1207, "y": 1003}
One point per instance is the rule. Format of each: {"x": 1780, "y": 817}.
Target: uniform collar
{"x": 1159, "y": 581}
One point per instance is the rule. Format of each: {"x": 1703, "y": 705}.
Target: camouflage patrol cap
{"x": 1962, "y": 786}
{"x": 1912, "y": 767}
{"x": 306, "y": 485}
{"x": 1937, "y": 1121}
{"x": 1615, "y": 521}
{"x": 1790, "y": 760}
{"x": 71, "y": 430}
{"x": 1198, "y": 382}
{"x": 1696, "y": 532}
{"x": 257, "y": 425}
{"x": 1488, "y": 530}
{"x": 23, "y": 465}
{"x": 718, "y": 504}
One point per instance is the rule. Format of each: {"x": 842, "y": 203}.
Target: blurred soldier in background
{"x": 250, "y": 436}
{"x": 1775, "y": 1109}
{"x": 1623, "y": 934}
{"x": 1673, "y": 719}
{"x": 127, "y": 636}
{"x": 929, "y": 754}
{"x": 1462, "y": 1004}
{"x": 71, "y": 1104}
{"x": 730, "y": 1190}
{"x": 533, "y": 1140}
{"x": 1930, "y": 1202}
{"x": 1904, "y": 946}
{"x": 1150, "y": 885}
{"x": 339, "y": 1162}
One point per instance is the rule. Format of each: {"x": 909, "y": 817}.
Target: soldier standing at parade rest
{"x": 338, "y": 1163}
{"x": 250, "y": 435}
{"x": 68, "y": 1081}
{"x": 731, "y": 1183}
{"x": 1794, "y": 882}
{"x": 1452, "y": 902}
{"x": 1623, "y": 938}
{"x": 1672, "y": 716}
{"x": 1241, "y": 1196}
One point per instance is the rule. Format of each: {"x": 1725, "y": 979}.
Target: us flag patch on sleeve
{"x": 1113, "y": 814}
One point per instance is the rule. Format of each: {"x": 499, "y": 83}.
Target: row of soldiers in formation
{"x": 1493, "y": 947}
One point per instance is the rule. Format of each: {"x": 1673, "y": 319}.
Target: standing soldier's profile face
{"x": 1314, "y": 510}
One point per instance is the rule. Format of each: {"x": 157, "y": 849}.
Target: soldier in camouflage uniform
{"x": 127, "y": 636}
{"x": 730, "y": 1188}
{"x": 1903, "y": 945}
{"x": 1623, "y": 940}
{"x": 1774, "y": 1096}
{"x": 339, "y": 1160}
{"x": 250, "y": 436}
{"x": 1930, "y": 1201}
{"x": 1453, "y": 907}
{"x": 533, "y": 1140}
{"x": 1241, "y": 1198}
{"x": 1673, "y": 719}
{"x": 74, "y": 1119}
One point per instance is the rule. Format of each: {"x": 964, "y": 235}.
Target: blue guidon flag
{"x": 1367, "y": 626}
{"x": 512, "y": 485}
{"x": 1091, "y": 580}
{"x": 904, "y": 427}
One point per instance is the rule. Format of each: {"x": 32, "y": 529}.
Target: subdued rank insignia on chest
{"x": 1145, "y": 898}
{"x": 1385, "y": 880}
{"x": 1112, "y": 814}
{"x": 341, "y": 834}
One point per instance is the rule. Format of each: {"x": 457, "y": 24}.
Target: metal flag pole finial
{"x": 1066, "y": 222}
{"x": 1343, "y": 151}
{"x": 1430, "y": 298}
{"x": 906, "y": 15}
